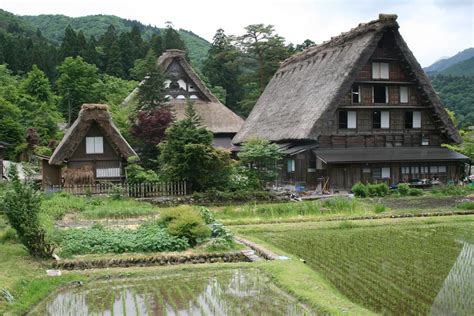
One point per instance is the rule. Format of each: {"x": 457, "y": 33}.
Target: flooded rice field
{"x": 224, "y": 292}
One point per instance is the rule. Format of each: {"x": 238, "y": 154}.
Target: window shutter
{"x": 403, "y": 94}
{"x": 351, "y": 119}
{"x": 385, "y": 119}
{"x": 98, "y": 145}
{"x": 375, "y": 70}
{"x": 384, "y": 72}
{"x": 385, "y": 172}
{"x": 416, "y": 119}
{"x": 90, "y": 145}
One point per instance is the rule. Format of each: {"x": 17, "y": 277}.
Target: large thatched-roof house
{"x": 92, "y": 150}
{"x": 356, "y": 108}
{"x": 183, "y": 83}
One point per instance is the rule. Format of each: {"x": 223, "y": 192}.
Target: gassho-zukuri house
{"x": 183, "y": 83}
{"x": 356, "y": 108}
{"x": 92, "y": 150}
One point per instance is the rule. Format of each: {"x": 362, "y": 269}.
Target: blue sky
{"x": 432, "y": 28}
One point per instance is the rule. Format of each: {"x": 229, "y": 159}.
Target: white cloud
{"x": 432, "y": 28}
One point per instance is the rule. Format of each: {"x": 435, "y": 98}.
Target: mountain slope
{"x": 52, "y": 27}
{"x": 463, "y": 68}
{"x": 443, "y": 64}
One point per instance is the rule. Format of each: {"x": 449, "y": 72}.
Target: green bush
{"x": 415, "y": 192}
{"x": 379, "y": 208}
{"x": 403, "y": 189}
{"x": 21, "y": 204}
{"x": 185, "y": 222}
{"x": 379, "y": 189}
{"x": 149, "y": 237}
{"x": 8, "y": 235}
{"x": 451, "y": 189}
{"x": 360, "y": 190}
{"x": 468, "y": 205}
{"x": 207, "y": 215}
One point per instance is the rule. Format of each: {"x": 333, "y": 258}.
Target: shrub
{"x": 21, "y": 204}
{"x": 403, "y": 189}
{"x": 415, "y": 192}
{"x": 360, "y": 190}
{"x": 379, "y": 208}
{"x": 207, "y": 215}
{"x": 468, "y": 205}
{"x": 380, "y": 189}
{"x": 451, "y": 189}
{"x": 185, "y": 222}
{"x": 8, "y": 235}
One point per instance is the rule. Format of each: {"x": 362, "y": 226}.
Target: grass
{"x": 388, "y": 266}
{"x": 59, "y": 204}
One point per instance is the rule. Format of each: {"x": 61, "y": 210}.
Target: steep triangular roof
{"x": 215, "y": 116}
{"x": 301, "y": 98}
{"x": 89, "y": 114}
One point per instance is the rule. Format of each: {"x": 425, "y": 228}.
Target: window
{"x": 94, "y": 145}
{"x": 425, "y": 141}
{"x": 381, "y": 173}
{"x": 290, "y": 165}
{"x": 437, "y": 169}
{"x": 381, "y": 119}
{"x": 403, "y": 94}
{"x": 405, "y": 170}
{"x": 424, "y": 170}
{"x": 415, "y": 170}
{"x": 412, "y": 119}
{"x": 380, "y": 94}
{"x": 347, "y": 119}
{"x": 380, "y": 71}
{"x": 355, "y": 94}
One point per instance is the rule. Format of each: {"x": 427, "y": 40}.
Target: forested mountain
{"x": 445, "y": 63}
{"x": 52, "y": 27}
{"x": 463, "y": 68}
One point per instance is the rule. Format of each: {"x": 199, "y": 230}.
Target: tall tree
{"x": 114, "y": 61}
{"x": 261, "y": 43}
{"x": 142, "y": 66}
{"x": 151, "y": 93}
{"x": 76, "y": 85}
{"x": 69, "y": 46}
{"x": 156, "y": 44}
{"x": 37, "y": 85}
{"x": 222, "y": 67}
{"x": 172, "y": 39}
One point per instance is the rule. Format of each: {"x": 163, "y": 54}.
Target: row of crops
{"x": 391, "y": 269}
{"x": 223, "y": 292}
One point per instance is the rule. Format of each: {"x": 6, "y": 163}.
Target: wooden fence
{"x": 137, "y": 190}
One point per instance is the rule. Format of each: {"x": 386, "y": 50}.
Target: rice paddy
{"x": 405, "y": 268}
{"x": 225, "y": 292}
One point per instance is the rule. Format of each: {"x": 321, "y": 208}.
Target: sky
{"x": 432, "y": 28}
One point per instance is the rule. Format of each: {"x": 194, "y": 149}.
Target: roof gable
{"x": 301, "y": 98}
{"x": 90, "y": 114}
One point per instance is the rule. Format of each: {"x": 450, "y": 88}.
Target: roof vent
{"x": 387, "y": 17}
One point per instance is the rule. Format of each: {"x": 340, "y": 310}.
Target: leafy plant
{"x": 21, "y": 204}
{"x": 360, "y": 190}
{"x": 379, "y": 208}
{"x": 185, "y": 222}
{"x": 403, "y": 189}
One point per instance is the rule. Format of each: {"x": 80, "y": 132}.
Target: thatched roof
{"x": 301, "y": 98}
{"x": 89, "y": 114}
{"x": 216, "y": 117}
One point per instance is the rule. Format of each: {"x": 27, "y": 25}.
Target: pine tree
{"x": 156, "y": 43}
{"x": 172, "y": 39}
{"x": 69, "y": 46}
{"x": 114, "y": 62}
{"x": 151, "y": 93}
{"x": 37, "y": 85}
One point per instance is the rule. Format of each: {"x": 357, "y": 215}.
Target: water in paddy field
{"x": 224, "y": 292}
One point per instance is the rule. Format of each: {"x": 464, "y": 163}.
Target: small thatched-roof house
{"x": 182, "y": 83}
{"x": 93, "y": 146}
{"x": 364, "y": 89}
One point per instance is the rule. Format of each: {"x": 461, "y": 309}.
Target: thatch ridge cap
{"x": 384, "y": 21}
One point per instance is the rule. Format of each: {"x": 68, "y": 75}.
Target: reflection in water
{"x": 456, "y": 297}
{"x": 225, "y": 292}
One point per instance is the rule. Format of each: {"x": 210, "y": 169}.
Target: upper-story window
{"x": 380, "y": 94}
{"x": 94, "y": 145}
{"x": 412, "y": 119}
{"x": 347, "y": 119}
{"x": 403, "y": 94}
{"x": 380, "y": 71}
{"x": 356, "y": 94}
